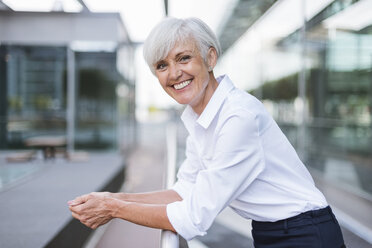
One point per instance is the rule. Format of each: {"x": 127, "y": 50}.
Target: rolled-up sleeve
{"x": 178, "y": 215}
{"x": 236, "y": 161}
{"x": 182, "y": 187}
{"x": 188, "y": 171}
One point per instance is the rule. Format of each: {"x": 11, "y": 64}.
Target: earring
{"x": 210, "y": 68}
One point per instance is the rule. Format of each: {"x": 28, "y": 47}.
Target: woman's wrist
{"x": 112, "y": 206}
{"x": 120, "y": 196}
{"x": 118, "y": 208}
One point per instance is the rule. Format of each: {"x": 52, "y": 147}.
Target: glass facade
{"x": 34, "y": 83}
{"x": 34, "y": 96}
{"x": 316, "y": 82}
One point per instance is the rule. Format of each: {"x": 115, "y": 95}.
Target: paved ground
{"x": 352, "y": 211}
{"x": 34, "y": 210}
{"x": 145, "y": 172}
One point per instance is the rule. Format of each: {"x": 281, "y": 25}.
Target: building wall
{"x": 60, "y": 28}
{"x": 330, "y": 120}
{"x": 34, "y": 79}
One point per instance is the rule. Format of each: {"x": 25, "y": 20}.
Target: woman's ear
{"x": 211, "y": 58}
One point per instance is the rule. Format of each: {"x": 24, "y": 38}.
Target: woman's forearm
{"x": 96, "y": 209}
{"x": 150, "y": 215}
{"x": 156, "y": 197}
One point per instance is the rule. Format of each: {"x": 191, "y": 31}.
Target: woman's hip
{"x": 312, "y": 229}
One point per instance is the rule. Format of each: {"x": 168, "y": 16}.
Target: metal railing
{"x": 168, "y": 238}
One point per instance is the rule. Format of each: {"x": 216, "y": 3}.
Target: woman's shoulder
{"x": 241, "y": 101}
{"x": 242, "y": 104}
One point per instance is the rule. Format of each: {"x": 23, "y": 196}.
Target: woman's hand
{"x": 94, "y": 209}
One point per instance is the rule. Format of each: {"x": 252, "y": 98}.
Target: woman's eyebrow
{"x": 159, "y": 62}
{"x": 181, "y": 53}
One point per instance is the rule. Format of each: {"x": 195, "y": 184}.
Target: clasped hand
{"x": 94, "y": 209}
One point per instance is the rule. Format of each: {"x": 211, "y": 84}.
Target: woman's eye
{"x": 185, "y": 58}
{"x": 160, "y": 66}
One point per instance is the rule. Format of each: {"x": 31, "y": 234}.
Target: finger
{"x": 92, "y": 222}
{"x": 95, "y": 224}
{"x": 73, "y": 209}
{"x": 78, "y": 209}
{"x": 88, "y": 222}
{"x": 75, "y": 215}
{"x": 78, "y": 200}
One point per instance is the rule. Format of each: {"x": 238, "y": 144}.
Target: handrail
{"x": 168, "y": 238}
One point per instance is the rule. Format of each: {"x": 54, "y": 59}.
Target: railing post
{"x": 168, "y": 238}
{"x": 71, "y": 99}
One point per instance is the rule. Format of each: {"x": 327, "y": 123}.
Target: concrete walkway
{"x": 145, "y": 172}
{"x": 352, "y": 211}
{"x": 34, "y": 211}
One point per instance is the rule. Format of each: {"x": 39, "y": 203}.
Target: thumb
{"x": 78, "y": 200}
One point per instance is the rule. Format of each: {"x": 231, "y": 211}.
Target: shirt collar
{"x": 205, "y": 119}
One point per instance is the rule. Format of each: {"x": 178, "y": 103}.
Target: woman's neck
{"x": 208, "y": 93}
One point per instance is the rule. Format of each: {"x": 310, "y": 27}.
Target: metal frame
{"x": 168, "y": 238}
{"x": 71, "y": 92}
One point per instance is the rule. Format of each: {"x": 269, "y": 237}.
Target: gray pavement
{"x": 352, "y": 211}
{"x": 34, "y": 211}
{"x": 145, "y": 172}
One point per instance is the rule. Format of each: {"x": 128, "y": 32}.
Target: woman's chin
{"x": 182, "y": 101}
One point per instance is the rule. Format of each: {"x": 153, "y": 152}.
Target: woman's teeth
{"x": 182, "y": 85}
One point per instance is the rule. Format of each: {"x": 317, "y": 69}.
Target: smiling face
{"x": 184, "y": 75}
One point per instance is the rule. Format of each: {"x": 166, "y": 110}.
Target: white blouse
{"x": 237, "y": 156}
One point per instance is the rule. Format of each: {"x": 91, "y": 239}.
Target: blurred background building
{"x": 310, "y": 62}
{"x": 74, "y": 68}
{"x": 60, "y": 76}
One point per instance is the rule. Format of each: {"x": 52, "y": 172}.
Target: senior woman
{"x": 236, "y": 156}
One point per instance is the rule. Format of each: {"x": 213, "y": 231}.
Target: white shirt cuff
{"x": 180, "y": 219}
{"x": 183, "y": 188}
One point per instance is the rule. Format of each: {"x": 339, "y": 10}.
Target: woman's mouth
{"x": 182, "y": 85}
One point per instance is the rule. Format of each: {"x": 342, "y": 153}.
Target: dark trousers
{"x": 312, "y": 229}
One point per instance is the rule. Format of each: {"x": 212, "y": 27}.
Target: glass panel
{"x": 33, "y": 88}
{"x": 97, "y": 79}
{"x": 340, "y": 97}
{"x": 36, "y": 92}
{"x": 268, "y": 60}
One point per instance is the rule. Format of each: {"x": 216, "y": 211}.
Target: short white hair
{"x": 170, "y": 31}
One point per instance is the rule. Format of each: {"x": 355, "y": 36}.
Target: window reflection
{"x": 96, "y": 99}
{"x": 338, "y": 69}
{"x": 34, "y": 96}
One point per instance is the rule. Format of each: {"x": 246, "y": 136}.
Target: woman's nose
{"x": 175, "y": 72}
